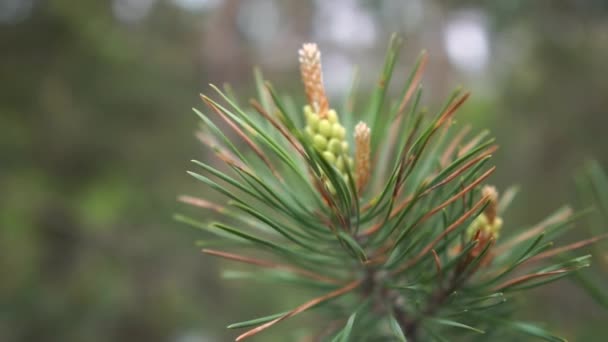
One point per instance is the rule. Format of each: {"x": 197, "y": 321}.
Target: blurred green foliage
{"x": 96, "y": 131}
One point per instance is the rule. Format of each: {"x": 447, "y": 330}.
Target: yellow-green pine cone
{"x": 328, "y": 136}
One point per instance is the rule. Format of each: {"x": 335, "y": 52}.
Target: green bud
{"x": 319, "y": 142}
{"x": 332, "y": 116}
{"x": 344, "y": 147}
{"x": 340, "y": 163}
{"x": 307, "y": 110}
{"x": 330, "y": 157}
{"x": 479, "y": 223}
{"x": 494, "y": 228}
{"x": 310, "y": 132}
{"x": 325, "y": 128}
{"x": 312, "y": 120}
{"x": 335, "y": 146}
{"x": 337, "y": 131}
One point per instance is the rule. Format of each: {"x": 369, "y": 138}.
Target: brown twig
{"x": 527, "y": 277}
{"x": 468, "y": 188}
{"x": 463, "y": 150}
{"x": 270, "y": 264}
{"x": 567, "y": 248}
{"x": 201, "y": 203}
{"x": 278, "y": 126}
{"x": 415, "y": 81}
{"x": 534, "y": 231}
{"x": 440, "y": 237}
{"x": 314, "y": 302}
{"x": 220, "y": 151}
{"x": 459, "y": 194}
{"x": 449, "y": 112}
{"x": 256, "y": 149}
{"x": 437, "y": 265}
{"x": 381, "y": 258}
{"x": 487, "y": 153}
{"x": 445, "y": 157}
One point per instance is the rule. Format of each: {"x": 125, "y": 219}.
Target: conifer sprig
{"x": 401, "y": 232}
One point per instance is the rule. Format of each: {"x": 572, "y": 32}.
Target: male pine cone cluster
{"x": 323, "y": 127}
{"x": 328, "y": 137}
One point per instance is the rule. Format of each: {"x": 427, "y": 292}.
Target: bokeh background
{"x": 96, "y": 132}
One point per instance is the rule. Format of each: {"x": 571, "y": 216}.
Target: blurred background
{"x": 96, "y": 131}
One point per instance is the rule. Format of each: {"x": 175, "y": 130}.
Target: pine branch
{"x": 403, "y": 222}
